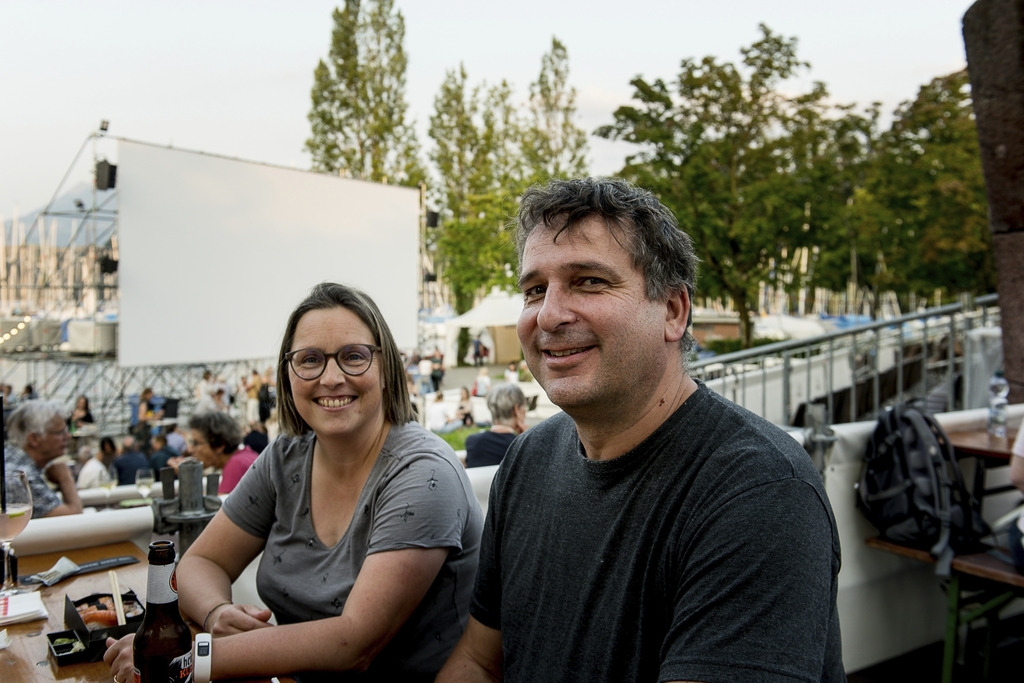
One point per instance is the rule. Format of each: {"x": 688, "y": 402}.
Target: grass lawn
{"x": 457, "y": 439}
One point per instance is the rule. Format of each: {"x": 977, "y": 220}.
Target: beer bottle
{"x": 162, "y": 651}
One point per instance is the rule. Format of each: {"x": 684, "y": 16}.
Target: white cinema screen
{"x": 216, "y": 252}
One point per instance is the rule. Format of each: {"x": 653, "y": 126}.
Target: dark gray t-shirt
{"x": 708, "y": 553}
{"x": 417, "y": 496}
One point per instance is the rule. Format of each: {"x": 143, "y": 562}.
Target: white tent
{"x": 498, "y": 313}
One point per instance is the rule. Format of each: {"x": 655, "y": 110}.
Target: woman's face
{"x": 82, "y": 403}
{"x": 336, "y": 404}
{"x": 465, "y": 394}
{"x": 199, "y": 448}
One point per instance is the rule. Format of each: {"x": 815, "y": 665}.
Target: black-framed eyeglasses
{"x": 354, "y": 360}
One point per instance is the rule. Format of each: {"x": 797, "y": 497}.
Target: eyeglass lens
{"x": 353, "y": 360}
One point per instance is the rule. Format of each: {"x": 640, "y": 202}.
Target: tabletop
{"x": 26, "y": 660}
{"x": 980, "y": 442}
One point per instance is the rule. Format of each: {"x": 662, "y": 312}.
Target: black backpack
{"x": 913, "y": 491}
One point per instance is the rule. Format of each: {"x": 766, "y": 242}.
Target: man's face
{"x": 590, "y": 335}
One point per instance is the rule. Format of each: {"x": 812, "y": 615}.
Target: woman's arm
{"x": 389, "y": 588}
{"x": 208, "y": 569}
{"x": 204, "y": 577}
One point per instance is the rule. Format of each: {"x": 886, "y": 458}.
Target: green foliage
{"x": 924, "y": 213}
{"x": 486, "y": 153}
{"x": 358, "y": 117}
{"x": 740, "y": 163}
{"x": 553, "y": 146}
{"x": 476, "y": 133}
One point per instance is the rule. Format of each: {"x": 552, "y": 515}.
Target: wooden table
{"x": 980, "y": 442}
{"x": 26, "y": 660}
{"x": 979, "y": 586}
{"x": 988, "y": 451}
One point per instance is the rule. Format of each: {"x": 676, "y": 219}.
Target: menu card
{"x": 21, "y": 607}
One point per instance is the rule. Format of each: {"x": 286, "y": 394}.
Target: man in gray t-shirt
{"x": 655, "y": 532}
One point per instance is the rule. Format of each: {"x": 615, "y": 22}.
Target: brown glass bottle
{"x": 162, "y": 651}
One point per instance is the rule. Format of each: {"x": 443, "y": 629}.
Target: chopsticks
{"x": 115, "y": 588}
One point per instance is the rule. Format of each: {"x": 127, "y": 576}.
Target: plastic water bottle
{"x": 998, "y": 389}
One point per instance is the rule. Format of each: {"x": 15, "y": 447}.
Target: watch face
{"x": 203, "y": 649}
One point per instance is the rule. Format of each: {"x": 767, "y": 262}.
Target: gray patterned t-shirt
{"x": 417, "y": 496}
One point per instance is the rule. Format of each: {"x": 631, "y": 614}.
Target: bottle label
{"x": 163, "y": 587}
{"x": 179, "y": 670}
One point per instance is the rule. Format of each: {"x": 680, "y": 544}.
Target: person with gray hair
{"x": 654, "y": 531}
{"x": 214, "y": 441}
{"x": 508, "y": 420}
{"x": 38, "y": 434}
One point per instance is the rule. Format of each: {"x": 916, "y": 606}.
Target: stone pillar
{"x": 994, "y": 38}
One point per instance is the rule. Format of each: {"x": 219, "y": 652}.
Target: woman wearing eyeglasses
{"x": 367, "y": 522}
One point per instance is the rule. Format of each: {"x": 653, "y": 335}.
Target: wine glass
{"x": 144, "y": 480}
{"x": 15, "y": 511}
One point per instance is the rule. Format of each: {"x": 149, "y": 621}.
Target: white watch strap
{"x": 202, "y": 658}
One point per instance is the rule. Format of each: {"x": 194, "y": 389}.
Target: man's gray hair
{"x": 502, "y": 401}
{"x": 645, "y": 228}
{"x": 33, "y": 417}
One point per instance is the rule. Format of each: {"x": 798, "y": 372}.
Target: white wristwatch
{"x": 202, "y": 659}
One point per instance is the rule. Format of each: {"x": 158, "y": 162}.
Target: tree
{"x": 477, "y": 135}
{"x": 929, "y": 194}
{"x": 554, "y": 146}
{"x": 359, "y": 113}
{"x": 741, "y": 164}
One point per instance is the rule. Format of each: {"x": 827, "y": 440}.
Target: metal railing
{"x": 855, "y": 372}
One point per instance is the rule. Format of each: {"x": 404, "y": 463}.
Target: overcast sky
{"x": 233, "y": 77}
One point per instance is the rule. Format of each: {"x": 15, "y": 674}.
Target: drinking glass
{"x": 108, "y": 484}
{"x": 144, "y": 480}
{"x": 14, "y": 516}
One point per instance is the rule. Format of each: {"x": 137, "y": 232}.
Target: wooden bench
{"x": 979, "y": 586}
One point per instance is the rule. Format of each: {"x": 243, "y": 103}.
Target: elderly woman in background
{"x": 508, "y": 416}
{"x": 38, "y": 435}
{"x": 215, "y": 441}
{"x": 367, "y": 522}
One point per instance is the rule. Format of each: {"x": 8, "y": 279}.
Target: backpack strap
{"x": 942, "y": 551}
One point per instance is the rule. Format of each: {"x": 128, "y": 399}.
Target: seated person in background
{"x": 214, "y": 441}
{"x": 212, "y": 402}
{"x": 129, "y": 462}
{"x": 257, "y": 438}
{"x": 81, "y": 415}
{"x": 464, "y": 411}
{"x": 38, "y": 434}
{"x": 162, "y": 452}
{"x": 367, "y": 522}
{"x": 482, "y": 383}
{"x": 512, "y": 373}
{"x": 83, "y": 456}
{"x": 439, "y": 420}
{"x": 174, "y": 438}
{"x": 508, "y": 417}
{"x": 96, "y": 471}
{"x": 1017, "y": 478}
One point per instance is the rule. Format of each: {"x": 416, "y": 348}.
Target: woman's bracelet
{"x": 210, "y": 613}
